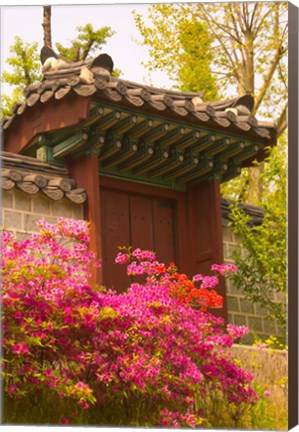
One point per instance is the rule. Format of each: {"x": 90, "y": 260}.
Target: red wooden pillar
{"x": 205, "y": 232}
{"x": 85, "y": 171}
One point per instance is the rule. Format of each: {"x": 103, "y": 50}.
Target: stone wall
{"x": 20, "y": 211}
{"x": 240, "y": 310}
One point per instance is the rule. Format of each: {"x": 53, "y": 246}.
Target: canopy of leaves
{"x": 262, "y": 271}
{"x": 241, "y": 44}
{"x": 224, "y": 48}
{"x": 176, "y": 44}
{"x": 87, "y": 41}
{"x": 25, "y": 69}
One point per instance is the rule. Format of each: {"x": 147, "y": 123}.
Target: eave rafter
{"x": 146, "y": 145}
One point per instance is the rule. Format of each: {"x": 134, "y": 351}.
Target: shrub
{"x": 77, "y": 354}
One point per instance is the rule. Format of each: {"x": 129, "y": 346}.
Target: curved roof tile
{"x": 85, "y": 79}
{"x": 31, "y": 176}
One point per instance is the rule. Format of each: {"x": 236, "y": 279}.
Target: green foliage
{"x": 220, "y": 47}
{"x": 176, "y": 42}
{"x": 25, "y": 69}
{"x": 25, "y": 63}
{"x": 88, "y": 40}
{"x": 262, "y": 269}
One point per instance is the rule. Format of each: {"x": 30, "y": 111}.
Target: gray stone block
{"x": 62, "y": 208}
{"x": 7, "y": 201}
{"x": 22, "y": 201}
{"x": 230, "y": 318}
{"x": 227, "y": 234}
{"x": 12, "y": 219}
{"x": 29, "y": 222}
{"x": 255, "y": 324}
{"x": 240, "y": 320}
{"x": 259, "y": 310}
{"x": 246, "y": 306}
{"x": 233, "y": 289}
{"x": 269, "y": 326}
{"x": 41, "y": 204}
{"x": 232, "y": 304}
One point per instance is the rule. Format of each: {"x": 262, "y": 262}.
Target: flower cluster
{"x": 196, "y": 292}
{"x": 223, "y": 269}
{"x": 145, "y": 353}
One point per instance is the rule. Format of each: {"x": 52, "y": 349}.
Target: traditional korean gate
{"x": 131, "y": 219}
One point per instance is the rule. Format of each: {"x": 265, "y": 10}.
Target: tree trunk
{"x": 254, "y": 184}
{"x": 47, "y": 26}
{"x": 246, "y": 68}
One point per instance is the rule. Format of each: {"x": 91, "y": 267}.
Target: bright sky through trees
{"x": 26, "y": 22}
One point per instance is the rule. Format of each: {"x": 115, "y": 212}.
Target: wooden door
{"x": 131, "y": 219}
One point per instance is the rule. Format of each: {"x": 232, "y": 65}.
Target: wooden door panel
{"x": 129, "y": 219}
{"x": 115, "y": 223}
{"x": 141, "y": 222}
{"x": 164, "y": 235}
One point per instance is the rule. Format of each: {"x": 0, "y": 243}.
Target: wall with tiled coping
{"x": 20, "y": 212}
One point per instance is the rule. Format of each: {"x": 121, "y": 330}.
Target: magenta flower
{"x": 223, "y": 269}
{"x": 12, "y": 389}
{"x": 21, "y": 349}
{"x": 64, "y": 421}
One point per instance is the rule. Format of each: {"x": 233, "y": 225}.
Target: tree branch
{"x": 225, "y": 29}
{"x": 256, "y": 7}
{"x": 47, "y": 26}
{"x": 234, "y": 23}
{"x": 282, "y": 121}
{"x": 267, "y": 80}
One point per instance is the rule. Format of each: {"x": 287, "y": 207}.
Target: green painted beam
{"x": 204, "y": 143}
{"x": 142, "y": 179}
{"x": 190, "y": 162}
{"x": 113, "y": 143}
{"x": 109, "y": 120}
{"x": 95, "y": 115}
{"x": 219, "y": 146}
{"x": 234, "y": 169}
{"x": 158, "y": 132}
{"x": 233, "y": 150}
{"x": 128, "y": 148}
{"x": 176, "y": 123}
{"x": 69, "y": 145}
{"x": 190, "y": 139}
{"x": 125, "y": 124}
{"x": 219, "y": 169}
{"x": 175, "y": 160}
{"x": 142, "y": 128}
{"x": 172, "y": 137}
{"x": 158, "y": 158}
{"x": 252, "y": 150}
{"x": 205, "y": 165}
{"x": 144, "y": 154}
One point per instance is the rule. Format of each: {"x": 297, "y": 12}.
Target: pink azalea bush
{"x": 76, "y": 354}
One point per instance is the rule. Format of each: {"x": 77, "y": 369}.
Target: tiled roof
{"x": 256, "y": 213}
{"x": 90, "y": 78}
{"x": 31, "y": 176}
{"x": 137, "y": 131}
